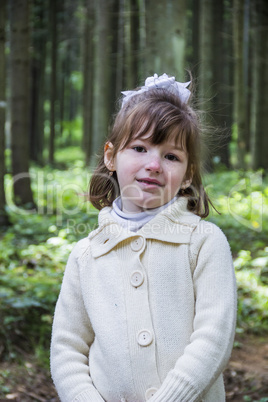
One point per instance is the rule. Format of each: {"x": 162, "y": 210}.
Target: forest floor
{"x": 246, "y": 377}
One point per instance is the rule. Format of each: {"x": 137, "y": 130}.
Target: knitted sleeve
{"x": 211, "y": 342}
{"x": 72, "y": 336}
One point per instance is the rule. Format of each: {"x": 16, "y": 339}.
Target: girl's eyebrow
{"x": 146, "y": 140}
{"x": 178, "y": 148}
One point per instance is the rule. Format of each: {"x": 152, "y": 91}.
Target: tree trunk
{"x": 176, "y": 38}
{"x": 66, "y": 90}
{"x": 131, "y": 38}
{"x": 206, "y": 45}
{"x": 195, "y": 29}
{"x": 69, "y": 61}
{"x": 259, "y": 108}
{"x": 62, "y": 62}
{"x": 142, "y": 41}
{"x": 37, "y": 90}
{"x": 62, "y": 94}
{"x": 119, "y": 47}
{"x": 239, "y": 81}
{"x": 53, "y": 77}
{"x": 206, "y": 91}
{"x": 72, "y": 59}
{"x": 3, "y": 215}
{"x": 246, "y": 49}
{"x": 101, "y": 84}
{"x": 135, "y": 32}
{"x": 129, "y": 73}
{"x": 87, "y": 55}
{"x": 222, "y": 79}
{"x": 19, "y": 100}
{"x": 166, "y": 26}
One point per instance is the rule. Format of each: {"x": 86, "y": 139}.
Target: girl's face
{"x": 149, "y": 175}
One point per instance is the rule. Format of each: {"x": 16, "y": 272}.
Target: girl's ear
{"x": 109, "y": 156}
{"x": 187, "y": 182}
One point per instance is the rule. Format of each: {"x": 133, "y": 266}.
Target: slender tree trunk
{"x": 101, "y": 85}
{"x": 228, "y": 79}
{"x": 259, "y": 108}
{"x": 206, "y": 91}
{"x": 19, "y": 100}
{"x": 119, "y": 48}
{"x": 72, "y": 110}
{"x": 37, "y": 90}
{"x": 127, "y": 38}
{"x": 222, "y": 79}
{"x": 155, "y": 17}
{"x": 239, "y": 81}
{"x": 53, "y": 80}
{"x": 87, "y": 54}
{"x": 246, "y": 49}
{"x": 131, "y": 35}
{"x": 195, "y": 28}
{"x": 68, "y": 22}
{"x": 3, "y": 215}
{"x": 166, "y": 26}
{"x": 206, "y": 45}
{"x": 62, "y": 65}
{"x": 135, "y": 31}
{"x": 67, "y": 90}
{"x": 142, "y": 71}
{"x": 176, "y": 37}
{"x": 62, "y": 95}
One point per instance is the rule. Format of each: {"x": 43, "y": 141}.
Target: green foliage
{"x": 70, "y": 157}
{"x": 34, "y": 250}
{"x": 30, "y": 276}
{"x": 242, "y": 200}
{"x": 252, "y": 290}
{"x": 71, "y": 134}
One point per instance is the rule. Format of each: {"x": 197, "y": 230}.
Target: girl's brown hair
{"x": 163, "y": 114}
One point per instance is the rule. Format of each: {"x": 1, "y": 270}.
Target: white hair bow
{"x": 164, "y": 81}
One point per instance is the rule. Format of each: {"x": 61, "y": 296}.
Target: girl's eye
{"x": 171, "y": 157}
{"x": 139, "y": 149}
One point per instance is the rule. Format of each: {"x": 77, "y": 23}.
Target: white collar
{"x": 135, "y": 221}
{"x": 174, "y": 224}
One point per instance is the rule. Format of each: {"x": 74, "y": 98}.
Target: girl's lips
{"x": 148, "y": 181}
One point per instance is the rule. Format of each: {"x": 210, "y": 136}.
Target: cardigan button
{"x": 137, "y": 244}
{"x": 137, "y": 279}
{"x": 150, "y": 393}
{"x": 144, "y": 337}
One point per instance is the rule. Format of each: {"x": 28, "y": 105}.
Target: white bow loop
{"x": 163, "y": 81}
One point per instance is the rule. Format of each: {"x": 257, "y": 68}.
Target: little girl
{"x": 147, "y": 308}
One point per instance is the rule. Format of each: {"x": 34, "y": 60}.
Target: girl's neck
{"x": 134, "y": 221}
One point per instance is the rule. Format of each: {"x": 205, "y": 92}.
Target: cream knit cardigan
{"x": 147, "y": 315}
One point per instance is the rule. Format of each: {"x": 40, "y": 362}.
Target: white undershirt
{"x": 135, "y": 221}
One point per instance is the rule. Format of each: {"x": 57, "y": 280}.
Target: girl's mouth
{"x": 152, "y": 182}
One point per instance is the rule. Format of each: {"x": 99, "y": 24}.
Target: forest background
{"x": 62, "y": 67}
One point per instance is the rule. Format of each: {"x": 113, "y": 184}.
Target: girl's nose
{"x": 154, "y": 165}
